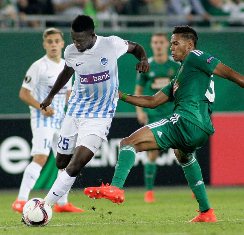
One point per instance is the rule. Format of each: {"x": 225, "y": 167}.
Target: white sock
{"x": 31, "y": 174}
{"x": 61, "y": 186}
{"x": 64, "y": 199}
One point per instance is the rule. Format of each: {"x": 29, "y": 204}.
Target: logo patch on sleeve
{"x": 27, "y": 79}
{"x": 209, "y": 59}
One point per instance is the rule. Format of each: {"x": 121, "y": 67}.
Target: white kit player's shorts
{"x": 87, "y": 132}
{"x": 44, "y": 140}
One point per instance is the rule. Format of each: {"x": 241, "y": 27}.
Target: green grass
{"x": 169, "y": 215}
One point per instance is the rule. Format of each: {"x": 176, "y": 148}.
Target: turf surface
{"x": 169, "y": 215}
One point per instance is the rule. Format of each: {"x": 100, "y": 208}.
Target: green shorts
{"x": 154, "y": 118}
{"x": 177, "y": 132}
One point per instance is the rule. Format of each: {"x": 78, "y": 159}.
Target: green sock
{"x": 125, "y": 162}
{"x": 150, "y": 170}
{"x": 193, "y": 175}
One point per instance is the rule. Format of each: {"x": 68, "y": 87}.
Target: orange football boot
{"x": 18, "y": 205}
{"x": 207, "y": 217}
{"x": 149, "y": 196}
{"x": 112, "y": 193}
{"x": 68, "y": 207}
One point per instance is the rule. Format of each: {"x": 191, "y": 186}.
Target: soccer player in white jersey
{"x": 93, "y": 100}
{"x": 45, "y": 124}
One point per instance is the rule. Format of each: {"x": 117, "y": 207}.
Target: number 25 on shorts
{"x": 63, "y": 143}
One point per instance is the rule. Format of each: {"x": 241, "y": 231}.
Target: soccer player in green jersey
{"x": 185, "y": 130}
{"x": 162, "y": 71}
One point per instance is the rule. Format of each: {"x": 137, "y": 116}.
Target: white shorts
{"x": 44, "y": 140}
{"x": 88, "y": 132}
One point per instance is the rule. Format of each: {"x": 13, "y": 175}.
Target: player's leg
{"x": 141, "y": 140}
{"x": 62, "y": 204}
{"x": 82, "y": 155}
{"x": 91, "y": 134}
{"x": 40, "y": 151}
{"x": 195, "y": 181}
{"x": 150, "y": 170}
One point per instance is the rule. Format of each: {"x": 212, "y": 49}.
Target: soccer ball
{"x": 36, "y": 212}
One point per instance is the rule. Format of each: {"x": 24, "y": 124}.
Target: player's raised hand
{"x": 46, "y": 103}
{"x": 143, "y": 66}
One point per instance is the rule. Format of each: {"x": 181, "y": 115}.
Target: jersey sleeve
{"x": 203, "y": 61}
{"x": 31, "y": 77}
{"x": 141, "y": 79}
{"x": 168, "y": 90}
{"x": 120, "y": 45}
{"x": 67, "y": 57}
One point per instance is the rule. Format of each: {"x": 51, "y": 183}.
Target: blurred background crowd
{"x": 183, "y": 10}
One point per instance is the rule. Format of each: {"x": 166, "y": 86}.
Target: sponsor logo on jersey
{"x": 27, "y": 79}
{"x": 209, "y": 59}
{"x": 94, "y": 78}
{"x": 103, "y": 61}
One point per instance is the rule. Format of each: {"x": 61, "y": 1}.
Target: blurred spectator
{"x": 29, "y": 7}
{"x": 157, "y": 7}
{"x": 236, "y": 10}
{"x": 216, "y": 8}
{"x": 68, "y": 7}
{"x": 186, "y": 9}
{"x": 8, "y": 13}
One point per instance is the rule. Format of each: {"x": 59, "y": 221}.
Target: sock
{"x": 64, "y": 199}
{"x": 31, "y": 174}
{"x": 193, "y": 175}
{"x": 150, "y": 170}
{"x": 61, "y": 186}
{"x": 125, "y": 162}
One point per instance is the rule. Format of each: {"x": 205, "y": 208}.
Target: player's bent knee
{"x": 181, "y": 156}
{"x": 125, "y": 141}
{"x": 40, "y": 159}
{"x": 62, "y": 161}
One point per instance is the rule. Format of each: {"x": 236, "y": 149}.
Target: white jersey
{"x": 95, "y": 90}
{"x": 40, "y": 79}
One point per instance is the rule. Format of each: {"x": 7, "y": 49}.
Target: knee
{"x": 40, "y": 159}
{"x": 62, "y": 161}
{"x": 125, "y": 141}
{"x": 181, "y": 156}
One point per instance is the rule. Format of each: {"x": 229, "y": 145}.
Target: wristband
{"x": 124, "y": 96}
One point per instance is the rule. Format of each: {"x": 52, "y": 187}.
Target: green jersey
{"x": 193, "y": 89}
{"x": 153, "y": 81}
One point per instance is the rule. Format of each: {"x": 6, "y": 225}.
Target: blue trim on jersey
{"x": 83, "y": 103}
{"x": 93, "y": 102}
{"x": 102, "y": 99}
{"x": 38, "y": 115}
{"x": 71, "y": 110}
{"x": 105, "y": 112}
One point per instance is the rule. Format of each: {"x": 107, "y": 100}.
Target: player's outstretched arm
{"x": 139, "y": 52}
{"x": 144, "y": 100}
{"x": 230, "y": 74}
{"x": 62, "y": 79}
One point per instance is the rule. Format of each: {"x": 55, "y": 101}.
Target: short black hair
{"x": 187, "y": 32}
{"x": 83, "y": 23}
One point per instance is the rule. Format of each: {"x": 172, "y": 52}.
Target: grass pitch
{"x": 169, "y": 215}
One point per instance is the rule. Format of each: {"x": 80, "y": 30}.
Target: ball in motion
{"x": 36, "y": 212}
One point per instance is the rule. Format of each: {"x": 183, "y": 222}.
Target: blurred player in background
{"x": 185, "y": 130}
{"x": 45, "y": 124}
{"x": 162, "y": 71}
{"x": 93, "y": 101}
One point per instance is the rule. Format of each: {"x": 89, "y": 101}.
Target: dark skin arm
{"x": 146, "y": 101}
{"x": 139, "y": 52}
{"x": 62, "y": 79}
{"x": 228, "y": 73}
